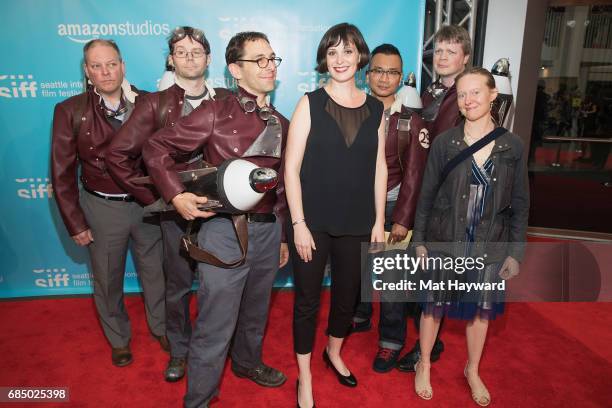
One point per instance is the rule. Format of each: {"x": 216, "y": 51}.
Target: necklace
{"x": 469, "y": 139}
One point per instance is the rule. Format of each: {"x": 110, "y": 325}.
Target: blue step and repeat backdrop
{"x": 42, "y": 44}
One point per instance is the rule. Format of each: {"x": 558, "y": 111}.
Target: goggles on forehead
{"x": 181, "y": 32}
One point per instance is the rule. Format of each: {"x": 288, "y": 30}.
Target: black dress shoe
{"x": 163, "y": 342}
{"x": 262, "y": 375}
{"x": 406, "y": 363}
{"x": 175, "y": 370}
{"x": 297, "y": 397}
{"x": 347, "y": 380}
{"x": 121, "y": 356}
{"x": 385, "y": 360}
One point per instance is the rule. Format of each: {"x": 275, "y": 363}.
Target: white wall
{"x": 515, "y": 30}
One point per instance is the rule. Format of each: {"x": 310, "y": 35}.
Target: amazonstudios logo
{"x": 82, "y": 33}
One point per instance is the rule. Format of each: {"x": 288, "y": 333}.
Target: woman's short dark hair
{"x": 490, "y": 81}
{"x": 346, "y": 33}
{"x": 235, "y": 46}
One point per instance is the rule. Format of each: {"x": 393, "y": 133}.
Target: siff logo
{"x": 21, "y": 86}
{"x": 55, "y": 278}
{"x": 37, "y": 188}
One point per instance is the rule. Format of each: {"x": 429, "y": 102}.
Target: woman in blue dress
{"x": 479, "y": 211}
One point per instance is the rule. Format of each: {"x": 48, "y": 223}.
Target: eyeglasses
{"x": 391, "y": 73}
{"x": 197, "y": 53}
{"x": 263, "y": 62}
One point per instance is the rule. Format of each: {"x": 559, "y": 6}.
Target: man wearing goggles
{"x": 231, "y": 302}
{"x": 189, "y": 57}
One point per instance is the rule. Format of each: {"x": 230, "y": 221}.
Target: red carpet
{"x": 537, "y": 355}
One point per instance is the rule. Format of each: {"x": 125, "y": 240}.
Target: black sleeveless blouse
{"x": 339, "y": 165}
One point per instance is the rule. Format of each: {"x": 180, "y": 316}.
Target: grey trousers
{"x": 230, "y": 300}
{"x": 179, "y": 269}
{"x": 112, "y": 225}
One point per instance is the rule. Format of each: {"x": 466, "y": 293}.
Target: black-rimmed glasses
{"x": 391, "y": 73}
{"x": 263, "y": 62}
{"x": 197, "y": 53}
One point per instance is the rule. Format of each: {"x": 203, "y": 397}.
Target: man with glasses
{"x": 103, "y": 216}
{"x": 230, "y": 301}
{"x": 189, "y": 57}
{"x": 406, "y": 157}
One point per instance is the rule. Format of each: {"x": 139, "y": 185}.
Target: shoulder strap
{"x": 465, "y": 153}
{"x": 403, "y": 135}
{"x": 201, "y": 255}
{"x": 81, "y": 106}
{"x": 162, "y": 109}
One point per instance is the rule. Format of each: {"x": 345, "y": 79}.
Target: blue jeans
{"x": 392, "y": 324}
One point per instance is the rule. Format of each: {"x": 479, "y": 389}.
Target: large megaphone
{"x": 234, "y": 187}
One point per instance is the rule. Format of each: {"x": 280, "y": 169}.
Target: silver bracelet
{"x": 294, "y": 223}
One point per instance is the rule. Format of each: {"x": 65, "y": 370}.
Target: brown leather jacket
{"x": 448, "y": 113}
{"x": 124, "y": 154}
{"x": 88, "y": 149}
{"x": 222, "y": 130}
{"x": 407, "y": 169}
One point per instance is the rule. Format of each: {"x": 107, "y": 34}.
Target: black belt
{"x": 255, "y": 217}
{"x": 127, "y": 198}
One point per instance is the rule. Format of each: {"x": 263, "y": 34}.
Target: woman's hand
{"x": 377, "y": 239}
{"x": 304, "y": 243}
{"x": 510, "y": 268}
{"x": 378, "y": 233}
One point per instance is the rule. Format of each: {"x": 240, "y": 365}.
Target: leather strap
{"x": 469, "y": 151}
{"x": 202, "y": 255}
{"x": 77, "y": 120}
{"x": 162, "y": 109}
{"x": 403, "y": 137}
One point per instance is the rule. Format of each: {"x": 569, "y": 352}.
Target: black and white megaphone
{"x": 408, "y": 98}
{"x": 503, "y": 102}
{"x": 408, "y": 94}
{"x": 234, "y": 187}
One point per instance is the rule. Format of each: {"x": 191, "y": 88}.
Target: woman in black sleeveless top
{"x": 335, "y": 180}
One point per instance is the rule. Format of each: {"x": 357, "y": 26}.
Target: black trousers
{"x": 345, "y": 256}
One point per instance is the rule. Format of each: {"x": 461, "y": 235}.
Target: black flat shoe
{"x": 406, "y": 363}
{"x": 347, "y": 380}
{"x": 297, "y": 397}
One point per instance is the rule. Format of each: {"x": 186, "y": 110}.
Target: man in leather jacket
{"x": 237, "y": 299}
{"x": 406, "y": 156}
{"x": 103, "y": 216}
{"x": 452, "y": 50}
{"x": 189, "y": 56}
